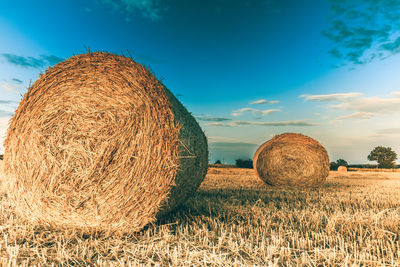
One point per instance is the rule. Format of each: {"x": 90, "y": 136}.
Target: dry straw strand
{"x": 99, "y": 144}
{"x": 292, "y": 160}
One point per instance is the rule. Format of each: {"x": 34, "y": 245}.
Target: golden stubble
{"x": 234, "y": 219}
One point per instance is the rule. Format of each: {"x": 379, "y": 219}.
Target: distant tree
{"x": 342, "y": 162}
{"x": 244, "y": 163}
{"x": 218, "y": 162}
{"x": 385, "y": 157}
{"x": 1, "y": 157}
{"x": 335, "y": 165}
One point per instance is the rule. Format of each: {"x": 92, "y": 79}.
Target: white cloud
{"x": 211, "y": 118}
{"x": 371, "y": 104}
{"x": 10, "y": 87}
{"x": 263, "y": 102}
{"x": 269, "y": 111}
{"x": 254, "y": 111}
{"x": 220, "y": 124}
{"x": 222, "y": 139}
{"x": 331, "y": 97}
{"x": 265, "y": 123}
{"x": 356, "y": 115}
{"x": 362, "y": 107}
{"x": 276, "y": 123}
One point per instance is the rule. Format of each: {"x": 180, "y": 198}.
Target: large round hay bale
{"x": 292, "y": 160}
{"x": 342, "y": 169}
{"x": 99, "y": 144}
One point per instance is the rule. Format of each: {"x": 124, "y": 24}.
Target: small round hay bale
{"x": 292, "y": 160}
{"x": 342, "y": 169}
{"x": 99, "y": 144}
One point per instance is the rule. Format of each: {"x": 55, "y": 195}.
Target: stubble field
{"x": 235, "y": 219}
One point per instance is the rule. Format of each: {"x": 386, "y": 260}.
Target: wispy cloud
{"x": 331, "y": 97}
{"x": 7, "y": 108}
{"x": 356, "y": 115}
{"x": 371, "y": 104}
{"x": 254, "y": 111}
{"x": 363, "y": 30}
{"x": 5, "y": 113}
{"x": 51, "y": 59}
{"x": 219, "y": 124}
{"x": 264, "y": 123}
{"x": 152, "y": 9}
{"x": 361, "y": 106}
{"x": 7, "y": 102}
{"x": 18, "y": 81}
{"x": 263, "y": 102}
{"x": 31, "y": 62}
{"x": 214, "y": 119}
{"x": 224, "y": 139}
{"x": 10, "y": 87}
{"x": 278, "y": 123}
{"x": 233, "y": 144}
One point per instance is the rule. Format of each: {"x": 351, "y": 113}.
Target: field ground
{"x": 235, "y": 219}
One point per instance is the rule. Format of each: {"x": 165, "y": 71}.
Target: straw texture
{"x": 292, "y": 160}
{"x": 99, "y": 144}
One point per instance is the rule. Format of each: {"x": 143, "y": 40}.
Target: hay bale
{"x": 342, "y": 169}
{"x": 292, "y": 160}
{"x": 99, "y": 144}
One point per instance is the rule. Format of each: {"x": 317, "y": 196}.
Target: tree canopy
{"x": 340, "y": 162}
{"x": 385, "y": 157}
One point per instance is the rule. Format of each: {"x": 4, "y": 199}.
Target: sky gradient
{"x": 247, "y": 70}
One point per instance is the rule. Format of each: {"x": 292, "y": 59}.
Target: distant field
{"x": 235, "y": 219}
{"x": 373, "y": 170}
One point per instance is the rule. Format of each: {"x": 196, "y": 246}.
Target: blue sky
{"x": 247, "y": 70}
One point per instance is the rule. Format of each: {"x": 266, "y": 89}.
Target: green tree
{"x": 244, "y": 163}
{"x": 341, "y": 162}
{"x": 218, "y": 162}
{"x": 335, "y": 165}
{"x": 385, "y": 157}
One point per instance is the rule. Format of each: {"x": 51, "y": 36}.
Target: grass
{"x": 235, "y": 219}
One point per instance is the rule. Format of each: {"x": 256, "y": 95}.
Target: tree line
{"x": 384, "y": 156}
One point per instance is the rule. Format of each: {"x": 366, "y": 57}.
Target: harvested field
{"x": 373, "y": 170}
{"x": 235, "y": 219}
